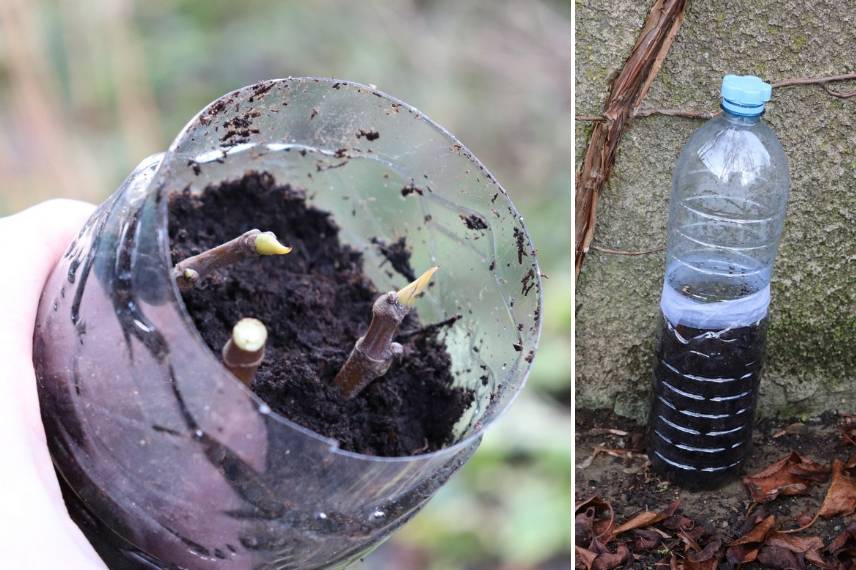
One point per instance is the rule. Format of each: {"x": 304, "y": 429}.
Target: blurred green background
{"x": 87, "y": 89}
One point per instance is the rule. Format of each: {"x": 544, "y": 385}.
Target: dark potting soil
{"x": 315, "y": 302}
{"x": 705, "y": 392}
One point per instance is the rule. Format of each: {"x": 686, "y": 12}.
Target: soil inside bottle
{"x": 705, "y": 392}
{"x": 315, "y": 302}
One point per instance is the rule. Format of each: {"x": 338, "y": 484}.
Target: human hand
{"x": 37, "y": 532}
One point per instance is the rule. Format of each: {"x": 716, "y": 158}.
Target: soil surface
{"x": 315, "y": 302}
{"x": 620, "y": 474}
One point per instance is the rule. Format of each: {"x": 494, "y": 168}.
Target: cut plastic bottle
{"x": 728, "y": 203}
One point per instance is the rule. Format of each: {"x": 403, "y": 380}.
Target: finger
{"x": 30, "y": 499}
{"x": 34, "y": 240}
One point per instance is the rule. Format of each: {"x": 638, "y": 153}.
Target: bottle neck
{"x": 740, "y": 119}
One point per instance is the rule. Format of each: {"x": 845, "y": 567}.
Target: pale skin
{"x": 35, "y": 529}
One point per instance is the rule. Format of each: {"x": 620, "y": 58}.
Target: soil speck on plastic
{"x": 369, "y": 134}
{"x": 397, "y": 254}
{"x": 474, "y": 222}
{"x": 412, "y": 189}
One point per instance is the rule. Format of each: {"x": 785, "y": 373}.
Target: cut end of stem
{"x": 407, "y": 295}
{"x": 245, "y": 350}
{"x": 267, "y": 244}
{"x": 250, "y": 335}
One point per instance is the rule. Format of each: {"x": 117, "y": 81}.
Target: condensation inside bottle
{"x": 728, "y": 202}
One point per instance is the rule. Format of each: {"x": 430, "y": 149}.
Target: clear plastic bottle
{"x": 728, "y": 203}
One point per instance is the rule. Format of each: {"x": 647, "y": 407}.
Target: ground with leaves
{"x": 793, "y": 508}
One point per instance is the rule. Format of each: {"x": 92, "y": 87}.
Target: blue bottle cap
{"x": 745, "y": 94}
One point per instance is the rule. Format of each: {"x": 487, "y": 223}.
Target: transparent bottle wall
{"x": 728, "y": 204}
{"x": 162, "y": 445}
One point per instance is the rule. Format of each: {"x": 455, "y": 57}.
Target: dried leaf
{"x": 816, "y": 558}
{"x": 776, "y": 557}
{"x": 758, "y": 533}
{"x": 846, "y": 430}
{"x": 678, "y": 522}
{"x": 703, "y": 565}
{"x": 745, "y": 549}
{"x": 586, "y": 463}
{"x": 845, "y": 542}
{"x": 594, "y": 501}
{"x": 670, "y": 563}
{"x": 596, "y": 526}
{"x": 646, "y": 539}
{"x": 690, "y": 538}
{"x": 798, "y": 544}
{"x": 741, "y": 554}
{"x": 587, "y": 557}
{"x": 791, "y": 475}
{"x": 707, "y": 558}
{"x": 583, "y": 525}
{"x": 606, "y": 560}
{"x": 608, "y": 431}
{"x": 646, "y": 518}
{"x": 625, "y": 454}
{"x": 794, "y": 428}
{"x": 805, "y": 519}
{"x": 841, "y": 497}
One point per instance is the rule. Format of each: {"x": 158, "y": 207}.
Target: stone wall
{"x": 811, "y": 348}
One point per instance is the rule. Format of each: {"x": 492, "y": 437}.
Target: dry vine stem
{"x": 601, "y": 150}
{"x": 189, "y": 271}
{"x": 690, "y": 114}
{"x": 374, "y": 352}
{"x": 625, "y": 95}
{"x": 244, "y": 351}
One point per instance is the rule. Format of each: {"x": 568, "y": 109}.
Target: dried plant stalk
{"x": 374, "y": 352}
{"x": 254, "y": 242}
{"x": 626, "y": 93}
{"x": 244, "y": 351}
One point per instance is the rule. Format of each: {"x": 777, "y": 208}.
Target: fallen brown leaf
{"x": 791, "y": 429}
{"x": 589, "y": 525}
{"x": 670, "y": 563}
{"x": 586, "y": 556}
{"x": 805, "y": 519}
{"x": 606, "y": 560}
{"x": 678, "y": 522}
{"x": 817, "y": 559}
{"x": 646, "y": 518}
{"x": 798, "y": 544}
{"x": 707, "y": 558}
{"x": 608, "y": 431}
{"x": 791, "y": 475}
{"x": 844, "y": 545}
{"x": 777, "y": 557}
{"x": 841, "y": 497}
{"x": 758, "y": 533}
{"x": 741, "y": 554}
{"x": 597, "y": 450}
{"x": 646, "y": 539}
{"x": 846, "y": 430}
{"x": 745, "y": 549}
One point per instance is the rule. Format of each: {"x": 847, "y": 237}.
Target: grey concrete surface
{"x": 811, "y": 348}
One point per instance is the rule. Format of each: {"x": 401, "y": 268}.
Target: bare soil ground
{"x": 621, "y": 476}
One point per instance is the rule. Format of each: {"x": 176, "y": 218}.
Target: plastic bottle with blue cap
{"x": 727, "y": 210}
